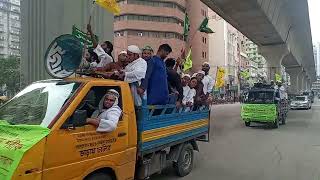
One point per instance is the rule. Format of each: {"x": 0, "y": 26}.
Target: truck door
{"x": 73, "y": 151}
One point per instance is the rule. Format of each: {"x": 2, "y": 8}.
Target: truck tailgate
{"x": 162, "y": 126}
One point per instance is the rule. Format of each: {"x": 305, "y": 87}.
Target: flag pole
{"x": 85, "y": 43}
{"x": 215, "y": 83}
{"x": 91, "y": 11}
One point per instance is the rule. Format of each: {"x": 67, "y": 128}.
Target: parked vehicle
{"x": 310, "y": 95}
{"x": 301, "y": 102}
{"x": 146, "y": 140}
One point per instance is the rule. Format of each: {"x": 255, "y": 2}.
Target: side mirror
{"x": 78, "y": 119}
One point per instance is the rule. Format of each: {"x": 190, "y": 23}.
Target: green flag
{"x": 188, "y": 62}
{"x": 15, "y": 140}
{"x": 82, "y": 37}
{"x": 245, "y": 74}
{"x": 278, "y": 78}
{"x": 186, "y": 27}
{"x": 204, "y": 26}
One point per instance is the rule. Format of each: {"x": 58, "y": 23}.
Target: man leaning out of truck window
{"x": 109, "y": 113}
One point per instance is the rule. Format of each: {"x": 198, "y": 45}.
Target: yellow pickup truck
{"x": 44, "y": 135}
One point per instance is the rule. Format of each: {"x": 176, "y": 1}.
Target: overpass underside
{"x": 281, "y": 29}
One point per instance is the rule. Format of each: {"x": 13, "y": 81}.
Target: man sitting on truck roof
{"x": 109, "y": 113}
{"x": 103, "y": 51}
{"x": 109, "y": 70}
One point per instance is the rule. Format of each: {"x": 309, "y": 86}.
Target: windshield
{"x": 300, "y": 98}
{"x": 39, "y": 103}
{"x": 257, "y": 97}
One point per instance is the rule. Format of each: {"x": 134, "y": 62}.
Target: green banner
{"x": 83, "y": 37}
{"x": 15, "y": 140}
{"x": 259, "y": 112}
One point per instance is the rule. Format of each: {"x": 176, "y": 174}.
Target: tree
{"x": 10, "y": 73}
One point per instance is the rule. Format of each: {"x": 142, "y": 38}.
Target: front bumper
{"x": 300, "y": 106}
{"x": 258, "y": 120}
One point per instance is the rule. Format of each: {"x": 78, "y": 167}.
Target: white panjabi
{"x": 110, "y": 117}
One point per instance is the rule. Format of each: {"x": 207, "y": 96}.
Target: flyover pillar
{"x": 294, "y": 79}
{"x": 274, "y": 56}
{"x": 308, "y": 84}
{"x": 301, "y": 78}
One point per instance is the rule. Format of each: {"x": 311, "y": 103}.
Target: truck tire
{"x": 99, "y": 176}
{"x": 184, "y": 164}
{"x": 283, "y": 121}
{"x": 247, "y": 124}
{"x": 276, "y": 123}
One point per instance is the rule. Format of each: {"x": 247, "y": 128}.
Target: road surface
{"x": 235, "y": 152}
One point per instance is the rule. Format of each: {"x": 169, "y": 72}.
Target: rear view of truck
{"x": 167, "y": 134}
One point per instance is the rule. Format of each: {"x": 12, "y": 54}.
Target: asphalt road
{"x": 235, "y": 152}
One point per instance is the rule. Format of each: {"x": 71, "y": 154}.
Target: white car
{"x": 300, "y": 102}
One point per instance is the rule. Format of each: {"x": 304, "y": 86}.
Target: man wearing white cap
{"x": 115, "y": 66}
{"x": 207, "y": 81}
{"x": 135, "y": 71}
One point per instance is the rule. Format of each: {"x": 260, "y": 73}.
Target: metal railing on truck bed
{"x": 161, "y": 126}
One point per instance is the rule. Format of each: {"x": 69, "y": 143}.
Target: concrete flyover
{"x": 281, "y": 29}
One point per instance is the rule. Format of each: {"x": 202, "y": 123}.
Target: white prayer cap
{"x": 122, "y": 52}
{"x": 134, "y": 49}
{"x": 206, "y": 63}
{"x": 186, "y": 75}
{"x": 194, "y": 75}
{"x": 201, "y": 72}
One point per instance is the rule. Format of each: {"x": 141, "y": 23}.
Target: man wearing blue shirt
{"x": 155, "y": 82}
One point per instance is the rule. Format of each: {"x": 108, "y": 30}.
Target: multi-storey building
{"x": 316, "y": 86}
{"x": 10, "y": 28}
{"x": 257, "y": 61}
{"x": 227, "y": 49}
{"x": 156, "y": 22}
{"x": 316, "y": 52}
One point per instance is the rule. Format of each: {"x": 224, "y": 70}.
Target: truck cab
{"x": 73, "y": 149}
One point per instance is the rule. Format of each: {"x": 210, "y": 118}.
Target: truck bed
{"x": 163, "y": 126}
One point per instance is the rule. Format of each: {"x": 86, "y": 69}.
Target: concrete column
{"x": 308, "y": 84}
{"x": 294, "y": 79}
{"x": 274, "y": 56}
{"x": 300, "y": 81}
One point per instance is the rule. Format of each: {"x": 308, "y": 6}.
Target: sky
{"x": 314, "y": 9}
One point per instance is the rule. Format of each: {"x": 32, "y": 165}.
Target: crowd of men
{"x": 152, "y": 76}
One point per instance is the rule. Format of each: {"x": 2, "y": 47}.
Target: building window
{"x": 119, "y": 34}
{"x": 150, "y": 34}
{"x": 204, "y": 40}
{"x": 133, "y": 17}
{"x": 15, "y": 9}
{"x": 158, "y": 3}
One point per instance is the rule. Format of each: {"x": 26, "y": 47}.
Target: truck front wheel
{"x": 99, "y": 176}
{"x": 276, "y": 124}
{"x": 247, "y": 124}
{"x": 184, "y": 164}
